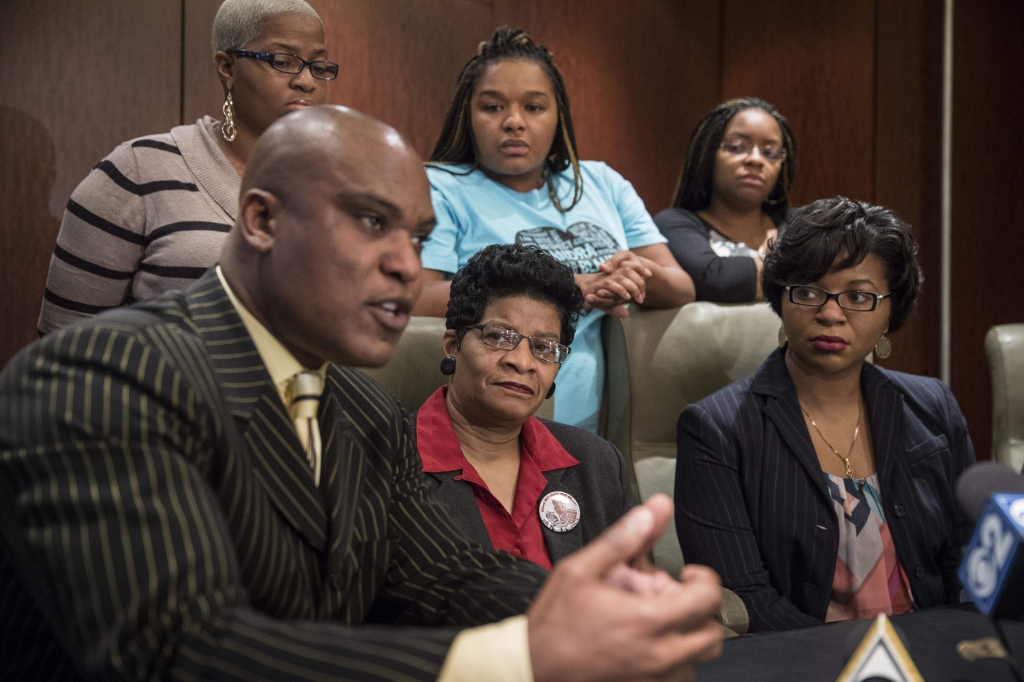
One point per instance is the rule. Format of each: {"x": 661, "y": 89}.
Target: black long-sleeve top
{"x": 717, "y": 279}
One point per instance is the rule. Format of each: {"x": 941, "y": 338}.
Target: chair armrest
{"x": 733, "y": 616}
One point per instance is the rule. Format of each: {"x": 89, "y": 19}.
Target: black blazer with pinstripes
{"x": 158, "y": 518}
{"x": 751, "y": 501}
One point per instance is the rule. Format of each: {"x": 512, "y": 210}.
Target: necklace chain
{"x": 856, "y": 432}
{"x": 715, "y": 223}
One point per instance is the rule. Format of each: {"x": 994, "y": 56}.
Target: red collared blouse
{"x": 520, "y": 531}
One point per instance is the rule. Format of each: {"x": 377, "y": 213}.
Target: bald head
{"x": 303, "y": 144}
{"x": 325, "y": 252}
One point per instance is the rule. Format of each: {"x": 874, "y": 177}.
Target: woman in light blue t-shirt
{"x": 505, "y": 170}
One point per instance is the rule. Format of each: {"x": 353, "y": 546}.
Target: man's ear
{"x": 450, "y": 342}
{"x": 257, "y": 210}
{"x": 225, "y": 67}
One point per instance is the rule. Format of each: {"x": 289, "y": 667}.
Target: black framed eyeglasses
{"x": 289, "y": 63}
{"x": 770, "y": 153}
{"x": 496, "y": 336}
{"x": 860, "y": 301}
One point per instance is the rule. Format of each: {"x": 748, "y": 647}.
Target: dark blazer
{"x": 159, "y": 518}
{"x": 600, "y": 483}
{"x": 751, "y": 500}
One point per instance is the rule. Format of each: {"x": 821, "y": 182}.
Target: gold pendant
{"x": 849, "y": 469}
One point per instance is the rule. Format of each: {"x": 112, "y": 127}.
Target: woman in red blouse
{"x": 535, "y": 488}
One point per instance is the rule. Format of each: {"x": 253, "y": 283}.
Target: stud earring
{"x": 448, "y": 365}
{"x": 227, "y": 128}
{"x": 551, "y": 391}
{"x": 782, "y": 336}
{"x": 883, "y": 348}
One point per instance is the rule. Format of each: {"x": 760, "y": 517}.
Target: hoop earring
{"x": 782, "y": 336}
{"x": 448, "y": 365}
{"x": 227, "y": 129}
{"x": 883, "y": 348}
{"x": 551, "y": 391}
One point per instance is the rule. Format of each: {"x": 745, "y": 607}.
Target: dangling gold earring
{"x": 782, "y": 336}
{"x": 227, "y": 128}
{"x": 883, "y": 348}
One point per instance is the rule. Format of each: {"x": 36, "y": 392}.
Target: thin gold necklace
{"x": 856, "y": 431}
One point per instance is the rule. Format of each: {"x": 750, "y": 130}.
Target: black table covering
{"x": 820, "y": 653}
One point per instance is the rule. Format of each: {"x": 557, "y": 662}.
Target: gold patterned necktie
{"x": 303, "y": 393}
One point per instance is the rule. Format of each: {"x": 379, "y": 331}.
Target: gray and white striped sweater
{"x": 150, "y": 217}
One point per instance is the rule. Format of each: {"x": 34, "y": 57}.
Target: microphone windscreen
{"x": 981, "y": 481}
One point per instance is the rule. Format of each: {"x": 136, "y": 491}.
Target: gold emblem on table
{"x": 559, "y": 511}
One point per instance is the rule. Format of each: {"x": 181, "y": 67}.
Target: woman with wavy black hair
{"x": 732, "y": 198}
{"x": 505, "y": 170}
{"x": 821, "y": 487}
{"x": 536, "y": 488}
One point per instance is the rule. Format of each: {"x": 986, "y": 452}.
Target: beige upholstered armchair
{"x": 660, "y": 361}
{"x": 1005, "y": 348}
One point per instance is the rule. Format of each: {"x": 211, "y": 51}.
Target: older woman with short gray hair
{"x": 152, "y": 215}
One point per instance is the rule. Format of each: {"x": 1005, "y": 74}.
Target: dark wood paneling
{"x": 201, "y": 90}
{"x": 988, "y": 200}
{"x": 639, "y": 78}
{"x": 908, "y": 114}
{"x": 78, "y": 79}
{"x": 399, "y": 59}
{"x": 28, "y": 229}
{"x": 815, "y": 62}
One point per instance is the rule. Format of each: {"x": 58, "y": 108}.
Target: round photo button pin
{"x": 559, "y": 511}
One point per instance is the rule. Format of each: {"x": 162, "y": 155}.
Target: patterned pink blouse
{"x": 868, "y": 579}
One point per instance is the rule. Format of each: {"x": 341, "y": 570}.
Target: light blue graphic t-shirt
{"x": 473, "y": 211}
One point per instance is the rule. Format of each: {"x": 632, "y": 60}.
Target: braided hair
{"x": 695, "y": 182}
{"x": 456, "y": 145}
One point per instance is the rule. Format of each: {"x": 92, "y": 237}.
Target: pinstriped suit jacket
{"x": 751, "y": 500}
{"x": 159, "y": 518}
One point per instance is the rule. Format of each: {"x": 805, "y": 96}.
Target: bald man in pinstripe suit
{"x": 165, "y": 513}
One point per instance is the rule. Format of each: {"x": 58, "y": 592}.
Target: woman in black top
{"x": 732, "y": 198}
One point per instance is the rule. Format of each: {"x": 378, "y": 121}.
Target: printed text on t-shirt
{"x": 583, "y": 247}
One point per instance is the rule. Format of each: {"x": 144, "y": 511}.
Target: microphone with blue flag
{"x": 993, "y": 565}
{"x": 992, "y": 570}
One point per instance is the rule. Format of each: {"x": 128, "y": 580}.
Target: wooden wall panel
{"x": 908, "y": 115}
{"x": 78, "y": 79}
{"x": 988, "y": 200}
{"x": 815, "y": 62}
{"x": 399, "y": 59}
{"x": 201, "y": 92}
{"x": 639, "y": 78}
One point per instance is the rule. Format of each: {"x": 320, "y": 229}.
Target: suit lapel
{"x": 275, "y": 451}
{"x": 783, "y": 410}
{"x": 282, "y": 468}
{"x": 457, "y": 496}
{"x": 342, "y": 472}
{"x": 885, "y": 411}
{"x": 561, "y": 545}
